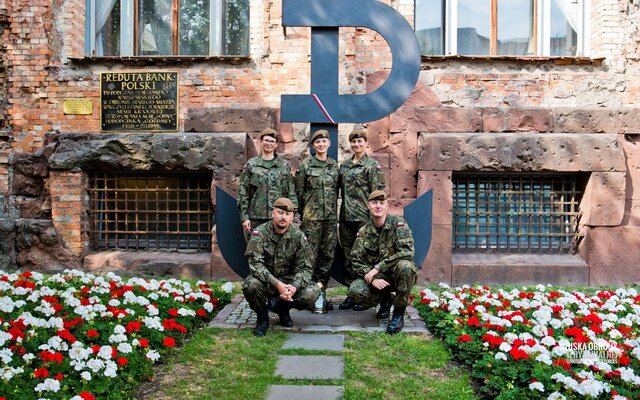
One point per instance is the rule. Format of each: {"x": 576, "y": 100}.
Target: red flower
{"x": 464, "y": 338}
{"x": 41, "y": 373}
{"x": 173, "y": 312}
{"x": 46, "y": 356}
{"x": 624, "y": 360}
{"x": 87, "y": 396}
{"x": 473, "y": 321}
{"x": 122, "y": 361}
{"x": 517, "y": 353}
{"x": 201, "y": 312}
{"x": 133, "y": 326}
{"x": 59, "y": 377}
{"x": 169, "y": 341}
{"x": 66, "y": 335}
{"x": 561, "y": 362}
{"x": 92, "y": 333}
{"x": 144, "y": 343}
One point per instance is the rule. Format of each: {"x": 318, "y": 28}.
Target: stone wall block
{"x": 493, "y": 119}
{"x": 7, "y": 243}
{"x": 613, "y": 254}
{"x": 519, "y": 152}
{"x": 631, "y": 147}
{"x": 404, "y": 164}
{"x": 25, "y": 185}
{"x": 437, "y": 266}
{"x": 33, "y": 207}
{"x": 440, "y": 183}
{"x": 40, "y": 248}
{"x": 436, "y": 119}
{"x": 223, "y": 119}
{"x": 378, "y": 135}
{"x": 528, "y": 120}
{"x": 604, "y": 120}
{"x": 605, "y": 197}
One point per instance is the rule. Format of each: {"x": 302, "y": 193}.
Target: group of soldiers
{"x": 290, "y": 266}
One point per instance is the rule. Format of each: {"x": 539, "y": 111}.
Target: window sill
{"x": 553, "y": 60}
{"x": 235, "y": 60}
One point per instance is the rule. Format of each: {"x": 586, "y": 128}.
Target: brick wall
{"x": 69, "y": 205}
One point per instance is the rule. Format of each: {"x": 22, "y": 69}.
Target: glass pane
{"x": 429, "y": 17}
{"x": 564, "y": 23}
{"x": 474, "y": 24}
{"x": 194, "y": 27}
{"x": 515, "y": 27}
{"x": 107, "y": 28}
{"x": 155, "y": 19}
{"x": 237, "y": 27}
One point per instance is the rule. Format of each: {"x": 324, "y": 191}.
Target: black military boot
{"x": 282, "y": 309}
{"x": 262, "y": 325}
{"x": 385, "y": 306}
{"x": 397, "y": 321}
{"x": 347, "y": 304}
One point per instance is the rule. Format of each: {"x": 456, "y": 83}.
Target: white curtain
{"x": 571, "y": 11}
{"x": 103, "y": 10}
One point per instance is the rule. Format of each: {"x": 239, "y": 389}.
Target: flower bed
{"x": 77, "y": 336}
{"x": 541, "y": 343}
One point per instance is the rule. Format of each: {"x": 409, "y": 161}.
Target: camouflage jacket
{"x": 382, "y": 248}
{"x": 261, "y": 186}
{"x": 317, "y": 188}
{"x": 356, "y": 181}
{"x": 274, "y": 257}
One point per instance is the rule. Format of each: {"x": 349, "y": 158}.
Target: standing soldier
{"x": 358, "y": 176}
{"x": 280, "y": 269}
{"x": 264, "y": 179}
{"x": 383, "y": 260}
{"x": 317, "y": 187}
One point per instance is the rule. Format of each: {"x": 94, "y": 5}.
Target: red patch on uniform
{"x": 400, "y": 224}
{"x": 255, "y": 233}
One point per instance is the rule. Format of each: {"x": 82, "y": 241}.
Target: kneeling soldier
{"x": 382, "y": 258}
{"x": 280, "y": 268}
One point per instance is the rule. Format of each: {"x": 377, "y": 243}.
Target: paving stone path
{"x": 313, "y": 332}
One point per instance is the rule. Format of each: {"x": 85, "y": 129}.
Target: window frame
{"x": 129, "y": 29}
{"x": 541, "y": 27}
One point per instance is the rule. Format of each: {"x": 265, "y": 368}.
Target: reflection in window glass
{"x": 237, "y": 27}
{"x": 154, "y": 17}
{"x": 515, "y": 27}
{"x": 429, "y": 23}
{"x": 564, "y": 24}
{"x": 474, "y": 19}
{"x": 194, "y": 27}
{"x": 107, "y": 28}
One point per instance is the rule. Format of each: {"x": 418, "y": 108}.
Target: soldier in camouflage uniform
{"x": 280, "y": 269}
{"x": 383, "y": 259}
{"x": 264, "y": 179}
{"x": 317, "y": 187}
{"x": 358, "y": 176}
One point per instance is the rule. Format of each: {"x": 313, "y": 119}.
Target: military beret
{"x": 377, "y": 195}
{"x": 358, "y": 133}
{"x": 319, "y": 135}
{"x": 269, "y": 132}
{"x": 284, "y": 204}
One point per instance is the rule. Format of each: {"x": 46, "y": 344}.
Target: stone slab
{"x": 310, "y": 367}
{"x": 314, "y": 342}
{"x": 316, "y": 392}
{"x": 520, "y": 152}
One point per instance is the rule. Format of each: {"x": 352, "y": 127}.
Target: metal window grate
{"x": 515, "y": 212}
{"x": 151, "y": 211}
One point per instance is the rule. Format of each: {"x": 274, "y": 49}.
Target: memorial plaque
{"x": 77, "y": 106}
{"x": 139, "y": 101}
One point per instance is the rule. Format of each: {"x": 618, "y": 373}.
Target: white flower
{"x": 544, "y": 358}
{"x": 227, "y": 287}
{"x": 153, "y": 355}
{"x": 105, "y": 352}
{"x": 500, "y": 356}
{"x": 125, "y": 348}
{"x": 536, "y": 386}
{"x": 556, "y": 396}
{"x": 85, "y": 375}
{"x": 110, "y": 369}
{"x": 504, "y": 346}
{"x": 49, "y": 385}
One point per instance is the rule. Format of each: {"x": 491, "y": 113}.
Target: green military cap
{"x": 377, "y": 195}
{"x": 269, "y": 132}
{"x": 284, "y": 204}
{"x": 319, "y": 135}
{"x": 358, "y": 133}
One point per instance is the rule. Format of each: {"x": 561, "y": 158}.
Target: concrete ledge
{"x": 154, "y": 264}
{"x": 557, "y": 269}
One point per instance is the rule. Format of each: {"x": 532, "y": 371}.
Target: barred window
{"x": 515, "y": 212}
{"x": 149, "y": 211}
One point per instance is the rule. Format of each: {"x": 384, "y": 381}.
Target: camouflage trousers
{"x": 258, "y": 294}
{"x": 348, "y": 231}
{"x": 402, "y": 276}
{"x": 322, "y": 238}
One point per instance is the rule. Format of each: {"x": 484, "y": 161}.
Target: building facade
{"x": 524, "y": 124}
